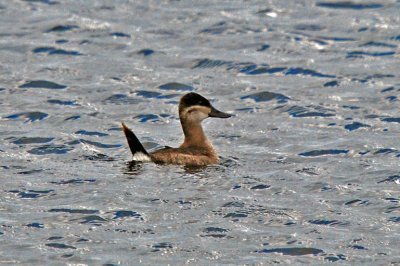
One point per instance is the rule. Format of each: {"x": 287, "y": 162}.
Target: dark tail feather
{"x": 133, "y": 142}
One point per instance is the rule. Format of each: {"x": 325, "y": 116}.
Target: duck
{"x": 196, "y": 149}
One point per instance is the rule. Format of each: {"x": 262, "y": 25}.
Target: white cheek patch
{"x": 141, "y": 157}
{"x": 199, "y": 116}
{"x": 197, "y": 113}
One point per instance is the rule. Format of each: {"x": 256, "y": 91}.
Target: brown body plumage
{"x": 196, "y": 149}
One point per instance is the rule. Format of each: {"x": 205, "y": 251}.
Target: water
{"x": 309, "y": 171}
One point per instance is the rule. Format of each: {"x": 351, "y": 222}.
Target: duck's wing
{"x": 138, "y": 151}
{"x": 183, "y": 156}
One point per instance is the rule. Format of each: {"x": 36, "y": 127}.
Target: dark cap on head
{"x": 192, "y": 99}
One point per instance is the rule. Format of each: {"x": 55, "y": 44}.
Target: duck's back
{"x": 185, "y": 156}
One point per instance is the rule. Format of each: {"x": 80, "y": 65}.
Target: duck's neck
{"x": 194, "y": 135}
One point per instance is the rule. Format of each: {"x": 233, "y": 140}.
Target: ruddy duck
{"x": 196, "y": 149}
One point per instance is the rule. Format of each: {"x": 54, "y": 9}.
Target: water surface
{"x": 309, "y": 163}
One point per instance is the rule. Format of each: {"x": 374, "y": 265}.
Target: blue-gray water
{"x": 310, "y": 162}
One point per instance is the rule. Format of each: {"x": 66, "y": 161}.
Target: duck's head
{"x": 196, "y": 108}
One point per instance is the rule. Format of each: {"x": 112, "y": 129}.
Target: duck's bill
{"x": 216, "y": 113}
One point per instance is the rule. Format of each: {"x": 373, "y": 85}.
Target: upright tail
{"x": 138, "y": 151}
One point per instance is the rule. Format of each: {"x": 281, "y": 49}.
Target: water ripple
{"x": 293, "y": 251}
{"x": 394, "y": 200}
{"x": 98, "y": 157}
{"x": 357, "y": 202}
{"x": 79, "y": 211}
{"x": 309, "y": 27}
{"x": 61, "y": 41}
{"x": 176, "y": 87}
{"x": 95, "y": 220}
{"x": 121, "y": 99}
{"x": 31, "y": 194}
{"x": 390, "y": 179}
{"x": 120, "y": 35}
{"x": 378, "y": 44}
{"x": 30, "y": 116}
{"x": 91, "y": 133}
{"x": 61, "y": 102}
{"x": 356, "y": 54}
{"x": 50, "y": 149}
{"x": 74, "y": 117}
{"x": 124, "y": 214}
{"x": 215, "y": 232}
{"x": 29, "y": 172}
{"x": 73, "y": 181}
{"x": 54, "y": 51}
{"x": 332, "y": 83}
{"x": 328, "y": 222}
{"x": 99, "y": 144}
{"x": 300, "y": 111}
{"x": 163, "y": 245}
{"x": 210, "y": 63}
{"x": 395, "y": 219}
{"x": 148, "y": 94}
{"x": 35, "y": 225}
{"x": 236, "y": 214}
{"x": 48, "y": 2}
{"x": 316, "y": 153}
{"x": 261, "y": 186}
{"x": 145, "y": 52}
{"x": 349, "y": 5}
{"x": 155, "y": 95}
{"x": 43, "y": 84}
{"x": 307, "y": 72}
{"x": 30, "y": 140}
{"x": 62, "y": 28}
{"x": 60, "y": 246}
{"x": 391, "y": 119}
{"x": 385, "y": 151}
{"x": 249, "y": 68}
{"x": 337, "y": 39}
{"x": 267, "y": 96}
{"x": 263, "y": 47}
{"x": 216, "y": 29}
{"x": 355, "y": 126}
{"x": 334, "y": 258}
{"x": 236, "y": 204}
{"x": 368, "y": 78}
{"x": 143, "y": 118}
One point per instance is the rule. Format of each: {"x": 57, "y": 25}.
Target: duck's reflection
{"x": 133, "y": 168}
{"x": 194, "y": 169}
